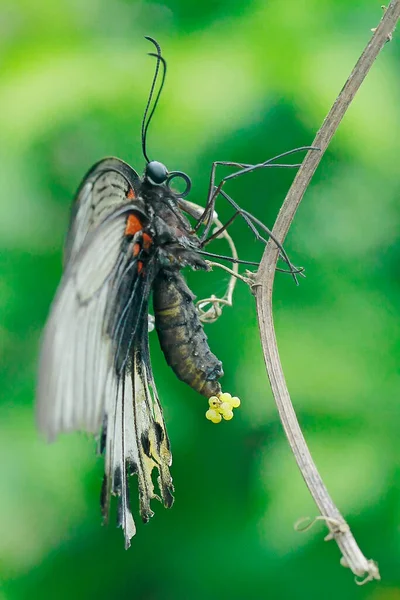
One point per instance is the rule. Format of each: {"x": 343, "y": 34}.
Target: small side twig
{"x": 352, "y": 556}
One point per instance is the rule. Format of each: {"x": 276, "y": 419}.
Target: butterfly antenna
{"x": 147, "y": 117}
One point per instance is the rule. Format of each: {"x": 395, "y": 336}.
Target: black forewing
{"x": 94, "y": 350}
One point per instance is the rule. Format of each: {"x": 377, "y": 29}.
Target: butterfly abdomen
{"x": 181, "y": 335}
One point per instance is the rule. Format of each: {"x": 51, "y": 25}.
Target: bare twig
{"x": 352, "y": 556}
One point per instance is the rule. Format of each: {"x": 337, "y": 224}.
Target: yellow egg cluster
{"x": 221, "y": 407}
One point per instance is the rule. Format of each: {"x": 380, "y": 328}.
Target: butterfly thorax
{"x": 170, "y": 231}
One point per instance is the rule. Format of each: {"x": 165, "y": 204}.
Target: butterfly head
{"x": 157, "y": 174}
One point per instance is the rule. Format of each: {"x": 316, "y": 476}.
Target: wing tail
{"x": 136, "y": 440}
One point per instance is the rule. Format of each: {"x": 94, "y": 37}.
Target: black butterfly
{"x": 129, "y": 238}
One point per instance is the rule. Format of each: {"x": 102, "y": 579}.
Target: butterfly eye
{"x": 156, "y": 172}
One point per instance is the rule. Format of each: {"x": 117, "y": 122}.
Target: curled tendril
{"x": 186, "y": 178}
{"x": 305, "y": 523}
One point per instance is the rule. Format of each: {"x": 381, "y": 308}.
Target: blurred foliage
{"x": 245, "y": 81}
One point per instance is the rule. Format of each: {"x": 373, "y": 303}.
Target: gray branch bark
{"x": 352, "y": 556}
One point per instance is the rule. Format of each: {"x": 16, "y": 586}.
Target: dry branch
{"x": 352, "y": 556}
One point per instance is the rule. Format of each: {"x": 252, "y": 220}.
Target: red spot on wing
{"x": 131, "y": 194}
{"x": 133, "y": 225}
{"x": 147, "y": 241}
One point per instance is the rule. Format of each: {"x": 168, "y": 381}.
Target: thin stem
{"x": 263, "y": 286}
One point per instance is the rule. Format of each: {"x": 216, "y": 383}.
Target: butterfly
{"x": 129, "y": 239}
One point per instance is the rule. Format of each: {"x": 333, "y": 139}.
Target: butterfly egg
{"x": 214, "y": 402}
{"x": 213, "y": 416}
{"x": 235, "y": 402}
{"x": 227, "y": 415}
{"x": 221, "y": 407}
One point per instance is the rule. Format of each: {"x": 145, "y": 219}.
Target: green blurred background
{"x": 246, "y": 81}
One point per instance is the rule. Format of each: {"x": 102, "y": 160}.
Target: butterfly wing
{"x": 107, "y": 186}
{"x": 75, "y": 353}
{"x": 94, "y": 366}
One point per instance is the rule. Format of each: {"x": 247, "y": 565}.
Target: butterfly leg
{"x": 244, "y": 168}
{"x": 252, "y": 221}
{"x": 215, "y": 190}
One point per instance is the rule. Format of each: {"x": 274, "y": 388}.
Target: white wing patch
{"x": 109, "y": 189}
{"x": 76, "y": 356}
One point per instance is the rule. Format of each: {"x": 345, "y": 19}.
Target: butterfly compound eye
{"x": 156, "y": 172}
